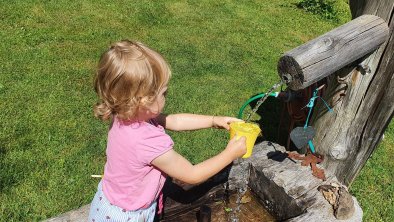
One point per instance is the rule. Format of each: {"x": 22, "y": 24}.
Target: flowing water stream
{"x": 243, "y": 187}
{"x": 241, "y": 190}
{"x": 262, "y": 100}
{"x": 241, "y": 206}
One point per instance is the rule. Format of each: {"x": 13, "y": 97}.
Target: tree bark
{"x": 362, "y": 101}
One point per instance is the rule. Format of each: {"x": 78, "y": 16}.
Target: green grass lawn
{"x": 221, "y": 53}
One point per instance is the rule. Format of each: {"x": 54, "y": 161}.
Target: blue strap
{"x": 310, "y": 105}
{"x": 311, "y": 146}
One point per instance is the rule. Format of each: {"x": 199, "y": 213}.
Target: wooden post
{"x": 362, "y": 103}
{"x": 321, "y": 57}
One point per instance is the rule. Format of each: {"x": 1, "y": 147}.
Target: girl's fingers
{"x": 232, "y": 119}
{"x": 224, "y": 121}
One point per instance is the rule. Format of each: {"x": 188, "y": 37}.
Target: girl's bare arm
{"x": 186, "y": 121}
{"x": 180, "y": 168}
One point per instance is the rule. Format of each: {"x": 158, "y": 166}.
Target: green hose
{"x": 274, "y": 94}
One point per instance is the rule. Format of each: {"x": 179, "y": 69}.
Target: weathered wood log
{"x": 182, "y": 199}
{"x": 289, "y": 190}
{"x": 362, "y": 103}
{"x": 175, "y": 209}
{"x": 285, "y": 187}
{"x": 332, "y": 51}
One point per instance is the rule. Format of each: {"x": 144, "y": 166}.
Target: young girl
{"x": 131, "y": 83}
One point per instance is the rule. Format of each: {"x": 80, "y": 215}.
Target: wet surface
{"x": 251, "y": 211}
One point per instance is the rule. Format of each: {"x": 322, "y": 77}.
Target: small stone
{"x": 345, "y": 205}
{"x": 340, "y": 199}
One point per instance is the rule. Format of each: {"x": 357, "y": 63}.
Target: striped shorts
{"x": 101, "y": 210}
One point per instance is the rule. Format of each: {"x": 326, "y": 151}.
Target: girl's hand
{"x": 237, "y": 146}
{"x": 223, "y": 121}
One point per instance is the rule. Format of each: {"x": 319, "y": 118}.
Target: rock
{"x": 340, "y": 199}
{"x": 345, "y": 205}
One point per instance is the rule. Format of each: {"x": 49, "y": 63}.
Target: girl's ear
{"x": 145, "y": 113}
{"x": 153, "y": 109}
{"x": 149, "y": 110}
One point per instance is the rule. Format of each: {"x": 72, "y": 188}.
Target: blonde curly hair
{"x": 129, "y": 77}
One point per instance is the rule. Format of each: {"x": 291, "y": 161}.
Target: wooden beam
{"x": 332, "y": 51}
{"x": 362, "y": 103}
